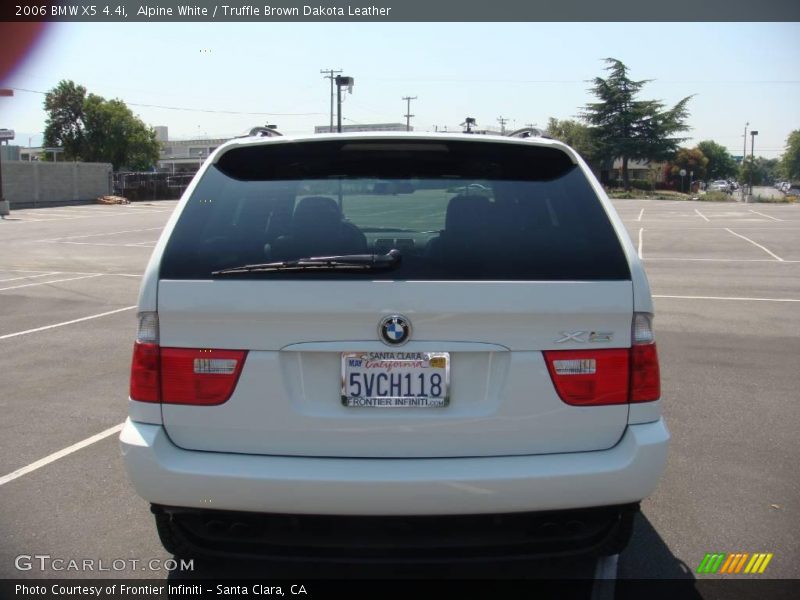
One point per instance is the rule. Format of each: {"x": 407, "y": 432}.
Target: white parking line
{"x": 54, "y": 325}
{"x": 88, "y": 216}
{"x": 641, "y": 231}
{"x": 60, "y": 454}
{"x": 76, "y": 237}
{"x": 30, "y": 276}
{"x": 755, "y": 212}
{"x": 16, "y": 287}
{"x": 641, "y": 212}
{"x": 702, "y": 215}
{"x": 137, "y": 245}
{"x": 729, "y": 298}
{"x": 755, "y": 244}
{"x": 733, "y": 260}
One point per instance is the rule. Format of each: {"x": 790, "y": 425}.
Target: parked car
{"x": 793, "y": 192}
{"x": 326, "y": 372}
{"x": 720, "y": 185}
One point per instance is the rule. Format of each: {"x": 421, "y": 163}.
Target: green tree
{"x": 64, "y": 127}
{"x": 764, "y": 171}
{"x": 93, "y": 129}
{"x": 790, "y": 162}
{"x": 627, "y": 128}
{"x": 575, "y": 134}
{"x": 693, "y": 161}
{"x": 721, "y": 164}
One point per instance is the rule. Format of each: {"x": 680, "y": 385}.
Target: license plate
{"x": 395, "y": 379}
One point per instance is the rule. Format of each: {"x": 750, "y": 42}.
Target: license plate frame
{"x": 416, "y": 372}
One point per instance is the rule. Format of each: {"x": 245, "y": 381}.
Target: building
{"x": 362, "y": 127}
{"x": 183, "y": 156}
{"x": 650, "y": 171}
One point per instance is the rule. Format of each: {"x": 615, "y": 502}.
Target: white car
{"x": 326, "y": 371}
{"x": 720, "y": 185}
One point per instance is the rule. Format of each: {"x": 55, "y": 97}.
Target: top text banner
{"x": 404, "y": 11}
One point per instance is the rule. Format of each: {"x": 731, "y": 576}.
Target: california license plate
{"x": 395, "y": 379}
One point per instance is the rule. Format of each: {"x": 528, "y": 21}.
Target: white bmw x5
{"x": 394, "y": 346}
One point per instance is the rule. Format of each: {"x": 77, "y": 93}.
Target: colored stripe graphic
{"x": 758, "y": 563}
{"x": 711, "y": 562}
{"x": 729, "y": 564}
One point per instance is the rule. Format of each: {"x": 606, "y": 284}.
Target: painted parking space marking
{"x": 80, "y": 237}
{"x": 730, "y": 260}
{"x": 755, "y": 244}
{"x": 702, "y": 215}
{"x": 60, "y": 454}
{"x": 25, "y": 285}
{"x": 763, "y": 215}
{"x": 29, "y": 276}
{"x": 741, "y": 299}
{"x": 65, "y": 323}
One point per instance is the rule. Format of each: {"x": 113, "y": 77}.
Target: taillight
{"x": 590, "y": 377}
{"x": 145, "y": 378}
{"x": 597, "y": 377}
{"x": 202, "y": 377}
{"x": 645, "y": 375}
{"x": 181, "y": 375}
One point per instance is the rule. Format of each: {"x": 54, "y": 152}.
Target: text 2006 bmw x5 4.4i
{"x": 395, "y": 346}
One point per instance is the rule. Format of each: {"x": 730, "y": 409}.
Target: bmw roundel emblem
{"x": 394, "y": 330}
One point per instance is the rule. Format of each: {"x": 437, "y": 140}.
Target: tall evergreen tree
{"x": 627, "y": 128}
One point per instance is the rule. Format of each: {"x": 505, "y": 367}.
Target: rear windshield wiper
{"x": 344, "y": 262}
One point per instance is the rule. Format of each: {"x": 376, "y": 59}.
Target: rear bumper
{"x": 167, "y": 475}
{"x": 396, "y": 539}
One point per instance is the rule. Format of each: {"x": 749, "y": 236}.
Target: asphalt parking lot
{"x": 726, "y": 281}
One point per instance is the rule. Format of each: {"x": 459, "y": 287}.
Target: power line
{"x": 202, "y": 110}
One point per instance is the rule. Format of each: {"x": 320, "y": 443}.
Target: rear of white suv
{"x": 394, "y": 346}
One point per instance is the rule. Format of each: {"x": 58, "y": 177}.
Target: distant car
{"x": 719, "y": 186}
{"x": 793, "y": 192}
{"x": 786, "y": 186}
{"x": 326, "y": 371}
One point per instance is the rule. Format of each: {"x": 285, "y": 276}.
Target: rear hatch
{"x": 505, "y": 252}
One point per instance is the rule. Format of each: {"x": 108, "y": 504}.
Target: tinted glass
{"x": 455, "y": 210}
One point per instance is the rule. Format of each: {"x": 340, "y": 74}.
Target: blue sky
{"x": 525, "y": 72}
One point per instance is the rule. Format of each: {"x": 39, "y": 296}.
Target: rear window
{"x": 455, "y": 210}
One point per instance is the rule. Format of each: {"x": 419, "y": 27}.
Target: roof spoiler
{"x": 526, "y": 132}
{"x": 263, "y": 131}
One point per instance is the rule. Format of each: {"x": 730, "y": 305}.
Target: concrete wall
{"x": 27, "y": 184}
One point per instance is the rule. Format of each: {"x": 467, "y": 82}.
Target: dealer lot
{"x": 726, "y": 282}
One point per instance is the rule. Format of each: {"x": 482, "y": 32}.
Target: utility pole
{"x": 330, "y": 74}
{"x": 408, "y": 114}
{"x": 502, "y": 122}
{"x": 4, "y": 206}
{"x": 341, "y": 82}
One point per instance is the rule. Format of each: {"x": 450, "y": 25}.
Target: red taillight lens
{"x": 590, "y": 377}
{"x": 145, "y": 380}
{"x": 199, "y": 377}
{"x": 645, "y": 375}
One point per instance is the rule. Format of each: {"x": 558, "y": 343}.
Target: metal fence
{"x": 150, "y": 186}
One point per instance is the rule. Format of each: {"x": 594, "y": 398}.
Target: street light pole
{"x": 753, "y": 134}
